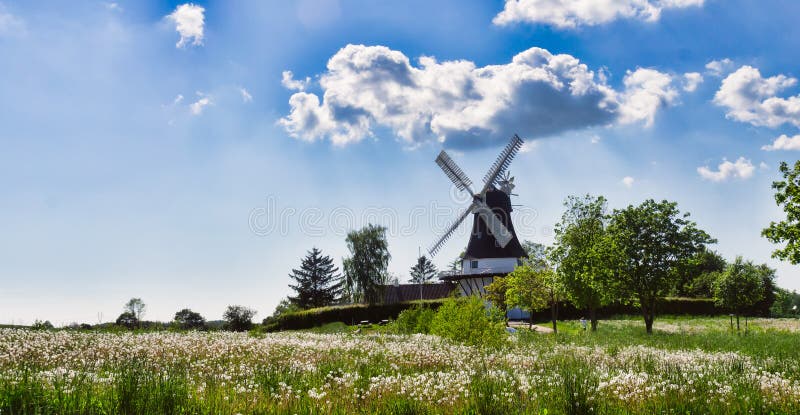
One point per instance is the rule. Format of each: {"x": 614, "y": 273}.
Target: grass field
{"x": 687, "y": 366}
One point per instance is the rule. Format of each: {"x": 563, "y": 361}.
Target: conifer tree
{"x": 317, "y": 281}
{"x": 423, "y": 272}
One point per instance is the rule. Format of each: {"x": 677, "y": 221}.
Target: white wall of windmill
{"x": 489, "y": 265}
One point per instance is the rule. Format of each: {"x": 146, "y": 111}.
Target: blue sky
{"x": 136, "y": 165}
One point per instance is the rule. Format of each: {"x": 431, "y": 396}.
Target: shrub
{"x": 469, "y": 320}
{"x": 416, "y": 319}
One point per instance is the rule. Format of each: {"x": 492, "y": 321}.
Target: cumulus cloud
{"x": 189, "y": 23}
{"x": 784, "y": 142}
{"x": 573, "y": 13}
{"x": 741, "y": 169}
{"x": 720, "y": 67}
{"x": 691, "y": 80}
{"x": 627, "y": 181}
{"x": 537, "y": 94}
{"x": 749, "y": 97}
{"x": 288, "y": 81}
{"x": 246, "y": 97}
{"x": 198, "y": 106}
{"x": 646, "y": 90}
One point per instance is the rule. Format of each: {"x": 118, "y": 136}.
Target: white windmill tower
{"x": 493, "y": 247}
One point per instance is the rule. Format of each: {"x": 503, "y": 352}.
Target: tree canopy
{"x": 787, "y": 231}
{"x": 423, "y": 272}
{"x": 188, "y": 319}
{"x": 239, "y": 318}
{"x": 365, "y": 270}
{"x": 317, "y": 281}
{"x": 739, "y": 287}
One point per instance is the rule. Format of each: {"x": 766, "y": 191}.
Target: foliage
{"x": 189, "y": 320}
{"x": 496, "y": 293}
{"x": 469, "y": 320}
{"x": 423, "y": 272}
{"x": 739, "y": 287}
{"x": 350, "y": 314}
{"x": 786, "y": 303}
{"x": 365, "y": 271}
{"x": 579, "y": 253}
{"x": 646, "y": 243}
{"x": 416, "y": 319}
{"x": 42, "y": 325}
{"x": 695, "y": 275}
{"x": 457, "y": 262}
{"x": 787, "y": 231}
{"x": 127, "y": 319}
{"x": 239, "y": 318}
{"x": 136, "y": 307}
{"x": 317, "y": 281}
{"x": 534, "y": 288}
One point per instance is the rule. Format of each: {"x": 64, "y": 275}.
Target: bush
{"x": 469, "y": 320}
{"x": 350, "y": 314}
{"x": 416, "y": 319}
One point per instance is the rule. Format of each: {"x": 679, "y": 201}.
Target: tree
{"x": 127, "y": 319}
{"x": 136, "y": 307}
{"x": 763, "y": 306}
{"x": 580, "y": 255}
{"x": 646, "y": 243}
{"x": 456, "y": 264}
{"x": 739, "y": 287}
{"x": 534, "y": 289}
{"x": 423, "y": 272}
{"x": 787, "y": 196}
{"x": 496, "y": 295}
{"x": 536, "y": 252}
{"x": 365, "y": 271}
{"x": 317, "y": 281}
{"x": 695, "y": 274}
{"x": 239, "y": 318}
{"x": 188, "y": 319}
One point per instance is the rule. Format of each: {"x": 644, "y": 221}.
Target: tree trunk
{"x": 737, "y": 322}
{"x": 647, "y": 313}
{"x": 593, "y": 317}
{"x": 554, "y": 316}
{"x": 530, "y": 320}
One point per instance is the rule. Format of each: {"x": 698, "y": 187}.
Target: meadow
{"x": 689, "y": 365}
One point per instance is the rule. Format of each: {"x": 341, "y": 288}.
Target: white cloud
{"x": 289, "y": 82}
{"x": 113, "y": 7}
{"x": 741, "y": 169}
{"x": 691, "y": 80}
{"x": 720, "y": 67}
{"x": 594, "y": 138}
{"x": 537, "y": 94}
{"x": 646, "y": 90}
{"x": 784, "y": 142}
{"x": 573, "y": 13}
{"x": 189, "y": 23}
{"x": 177, "y": 100}
{"x": 10, "y": 24}
{"x": 628, "y": 181}
{"x": 246, "y": 97}
{"x": 751, "y": 98}
{"x": 763, "y": 166}
{"x": 198, "y": 106}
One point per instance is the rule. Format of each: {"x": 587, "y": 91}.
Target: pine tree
{"x": 423, "y": 271}
{"x": 317, "y": 281}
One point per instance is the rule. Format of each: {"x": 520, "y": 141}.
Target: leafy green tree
{"x": 496, "y": 295}
{"x": 136, "y": 307}
{"x": 423, "y": 272}
{"x": 739, "y": 287}
{"x": 762, "y": 307}
{"x": 468, "y": 320}
{"x": 365, "y": 271}
{"x": 787, "y": 196}
{"x": 317, "y": 281}
{"x": 239, "y": 318}
{"x": 695, "y": 274}
{"x": 646, "y": 244}
{"x": 189, "y": 320}
{"x": 537, "y": 253}
{"x": 579, "y": 253}
{"x": 127, "y": 319}
{"x": 534, "y": 289}
{"x": 456, "y": 263}
{"x": 42, "y": 325}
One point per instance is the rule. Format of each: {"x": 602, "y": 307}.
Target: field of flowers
{"x": 705, "y": 369}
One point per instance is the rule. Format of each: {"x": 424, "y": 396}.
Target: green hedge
{"x": 349, "y": 314}
{"x": 664, "y": 306}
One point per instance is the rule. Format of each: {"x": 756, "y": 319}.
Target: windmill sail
{"x": 451, "y": 169}
{"x": 438, "y": 245}
{"x": 501, "y": 164}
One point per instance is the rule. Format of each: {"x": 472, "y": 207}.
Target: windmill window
{"x": 473, "y": 264}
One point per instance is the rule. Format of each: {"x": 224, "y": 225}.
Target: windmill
{"x": 493, "y": 248}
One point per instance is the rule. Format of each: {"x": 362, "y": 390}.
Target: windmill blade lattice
{"x": 451, "y": 169}
{"x": 452, "y": 228}
{"x": 502, "y": 162}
